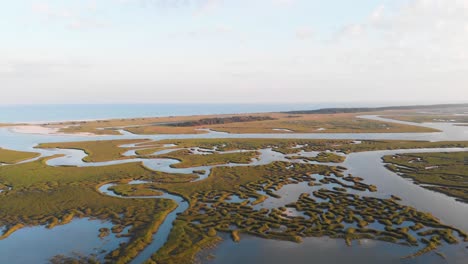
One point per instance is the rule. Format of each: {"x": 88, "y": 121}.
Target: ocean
{"x": 49, "y": 113}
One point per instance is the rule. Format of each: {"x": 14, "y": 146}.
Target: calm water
{"x": 38, "y": 244}
{"x": 323, "y": 251}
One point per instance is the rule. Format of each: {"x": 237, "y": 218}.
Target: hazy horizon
{"x": 305, "y": 103}
{"x": 226, "y": 51}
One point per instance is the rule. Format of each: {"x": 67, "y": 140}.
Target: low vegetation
{"x": 97, "y": 151}
{"x": 322, "y": 157}
{"x": 442, "y": 172}
{"x": 332, "y": 123}
{"x": 377, "y": 109}
{"x": 229, "y": 200}
{"x": 292, "y": 146}
{"x": 244, "y": 123}
{"x": 324, "y": 211}
{"x": 188, "y": 159}
{"x": 136, "y": 190}
{"x": 11, "y": 156}
{"x": 43, "y": 195}
{"x": 221, "y": 120}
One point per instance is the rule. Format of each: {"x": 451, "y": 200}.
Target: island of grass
{"x": 135, "y": 190}
{"x": 188, "y": 159}
{"x": 221, "y": 120}
{"x": 322, "y": 157}
{"x": 97, "y": 151}
{"x": 442, "y": 172}
{"x": 11, "y": 156}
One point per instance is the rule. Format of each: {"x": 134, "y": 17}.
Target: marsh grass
{"x": 444, "y": 172}
{"x": 12, "y": 156}
{"x": 51, "y": 196}
{"x": 37, "y": 194}
{"x": 97, "y": 151}
{"x": 326, "y": 212}
{"x": 259, "y": 123}
{"x": 188, "y": 159}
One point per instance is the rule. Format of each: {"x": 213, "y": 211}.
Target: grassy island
{"x": 188, "y": 159}
{"x": 135, "y": 190}
{"x": 442, "y": 172}
{"x": 322, "y": 157}
{"x": 11, "y": 156}
{"x": 97, "y": 151}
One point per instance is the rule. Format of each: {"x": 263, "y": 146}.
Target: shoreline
{"x": 42, "y": 130}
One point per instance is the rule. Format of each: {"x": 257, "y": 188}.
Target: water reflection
{"x": 38, "y": 244}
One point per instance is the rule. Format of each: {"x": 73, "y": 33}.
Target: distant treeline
{"x": 220, "y": 120}
{"x": 373, "y": 109}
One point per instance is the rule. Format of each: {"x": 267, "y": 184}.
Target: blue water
{"x": 38, "y": 244}
{"x": 46, "y": 113}
{"x": 40, "y": 113}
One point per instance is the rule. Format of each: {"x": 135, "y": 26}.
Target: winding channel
{"x": 160, "y": 237}
{"x": 367, "y": 165}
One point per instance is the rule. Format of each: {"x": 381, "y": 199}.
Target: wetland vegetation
{"x": 221, "y": 120}
{"x": 231, "y": 200}
{"x": 96, "y": 151}
{"x": 39, "y": 194}
{"x": 334, "y": 211}
{"x": 11, "y": 156}
{"x": 442, "y": 172}
{"x": 136, "y": 190}
{"x": 322, "y": 157}
{"x": 377, "y": 109}
{"x": 246, "y": 123}
{"x": 188, "y": 159}
{"x": 292, "y": 146}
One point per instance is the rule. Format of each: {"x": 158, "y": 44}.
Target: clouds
{"x": 304, "y": 33}
{"x": 77, "y": 17}
{"x": 424, "y": 26}
{"x": 283, "y": 2}
{"x": 225, "y": 51}
{"x": 434, "y": 21}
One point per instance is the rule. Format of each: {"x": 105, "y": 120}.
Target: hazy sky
{"x": 103, "y": 51}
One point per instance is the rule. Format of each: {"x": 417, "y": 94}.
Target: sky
{"x": 233, "y": 51}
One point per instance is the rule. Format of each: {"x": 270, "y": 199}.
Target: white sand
{"x": 282, "y": 129}
{"x": 42, "y": 130}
